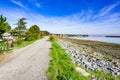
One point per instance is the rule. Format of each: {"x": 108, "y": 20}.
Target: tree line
{"x": 20, "y": 33}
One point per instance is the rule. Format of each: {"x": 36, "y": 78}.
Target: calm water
{"x": 103, "y": 39}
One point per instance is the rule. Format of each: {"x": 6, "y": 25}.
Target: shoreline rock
{"x": 87, "y": 58}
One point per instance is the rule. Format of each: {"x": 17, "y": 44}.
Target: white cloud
{"x": 77, "y": 23}
{"x": 18, "y": 3}
{"x": 106, "y": 10}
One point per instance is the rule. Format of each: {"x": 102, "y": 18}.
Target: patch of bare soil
{"x": 3, "y": 56}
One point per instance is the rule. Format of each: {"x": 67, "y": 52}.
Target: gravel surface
{"x": 28, "y": 63}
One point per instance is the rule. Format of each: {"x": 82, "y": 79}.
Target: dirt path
{"x": 29, "y": 63}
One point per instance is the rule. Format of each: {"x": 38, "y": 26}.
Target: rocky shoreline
{"x": 110, "y": 51}
{"x": 91, "y": 60}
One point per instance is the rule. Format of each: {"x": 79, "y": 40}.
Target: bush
{"x": 19, "y": 40}
{"x": 0, "y": 49}
{"x": 33, "y": 33}
{"x": 52, "y": 38}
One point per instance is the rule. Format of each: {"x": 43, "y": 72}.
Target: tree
{"x": 2, "y": 22}
{"x": 44, "y": 33}
{"x": 7, "y": 27}
{"x": 4, "y": 26}
{"x": 33, "y": 33}
{"x": 21, "y": 26}
{"x": 15, "y": 32}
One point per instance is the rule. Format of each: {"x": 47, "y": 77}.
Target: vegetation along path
{"x": 29, "y": 63}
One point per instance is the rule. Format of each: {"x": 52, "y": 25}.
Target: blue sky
{"x": 66, "y": 16}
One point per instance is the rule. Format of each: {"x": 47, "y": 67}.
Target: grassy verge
{"x": 25, "y": 43}
{"x": 16, "y": 46}
{"x": 61, "y": 66}
{"x": 100, "y": 75}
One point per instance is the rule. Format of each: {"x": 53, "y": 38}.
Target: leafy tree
{"x": 7, "y": 26}
{"x": 44, "y": 33}
{"x": 15, "y": 32}
{"x": 2, "y": 22}
{"x": 4, "y": 26}
{"x": 33, "y": 33}
{"x": 21, "y": 26}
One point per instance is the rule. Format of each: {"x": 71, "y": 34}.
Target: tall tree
{"x": 21, "y": 26}
{"x": 4, "y": 26}
{"x": 2, "y": 21}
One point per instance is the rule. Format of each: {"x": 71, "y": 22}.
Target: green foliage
{"x": 2, "y": 20}
{"x": 44, "y": 33}
{"x": 21, "y": 27}
{"x": 7, "y": 27}
{"x": 4, "y": 26}
{"x": 33, "y": 33}
{"x": 25, "y": 43}
{"x": 15, "y": 32}
{"x": 21, "y": 23}
{"x": 61, "y": 66}
{"x": 102, "y": 75}
{"x": 0, "y": 48}
{"x": 19, "y": 41}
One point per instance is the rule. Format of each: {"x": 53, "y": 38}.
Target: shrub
{"x": 33, "y": 33}
{"x": 19, "y": 40}
{"x": 0, "y": 49}
{"x": 52, "y": 38}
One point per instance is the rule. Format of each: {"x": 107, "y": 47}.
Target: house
{"x": 9, "y": 39}
{"x": 7, "y": 36}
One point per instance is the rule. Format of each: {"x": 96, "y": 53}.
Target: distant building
{"x": 7, "y": 36}
{"x": 9, "y": 40}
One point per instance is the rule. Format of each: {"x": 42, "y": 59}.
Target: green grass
{"x": 25, "y": 43}
{"x": 61, "y": 67}
{"x": 102, "y": 75}
{"x": 16, "y": 46}
{"x": 2, "y": 45}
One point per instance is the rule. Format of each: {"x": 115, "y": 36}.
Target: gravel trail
{"x": 28, "y": 63}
